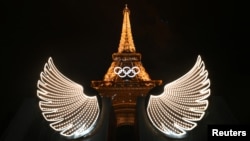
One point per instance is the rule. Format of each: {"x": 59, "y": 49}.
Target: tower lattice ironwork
{"x": 126, "y": 78}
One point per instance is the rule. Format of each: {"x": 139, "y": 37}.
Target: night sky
{"x": 81, "y": 36}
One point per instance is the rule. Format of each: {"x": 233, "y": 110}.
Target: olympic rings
{"x": 126, "y": 71}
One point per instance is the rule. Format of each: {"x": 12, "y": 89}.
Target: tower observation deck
{"x": 126, "y": 78}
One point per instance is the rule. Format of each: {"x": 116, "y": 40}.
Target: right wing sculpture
{"x": 64, "y": 104}
{"x": 182, "y": 103}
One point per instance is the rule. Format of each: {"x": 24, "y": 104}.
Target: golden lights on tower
{"x": 126, "y": 41}
{"x": 174, "y": 112}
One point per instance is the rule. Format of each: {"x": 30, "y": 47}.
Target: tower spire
{"x": 126, "y": 42}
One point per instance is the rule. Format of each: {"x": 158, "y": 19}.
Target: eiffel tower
{"x": 126, "y": 78}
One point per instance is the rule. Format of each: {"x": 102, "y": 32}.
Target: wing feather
{"x": 182, "y": 103}
{"x": 64, "y": 104}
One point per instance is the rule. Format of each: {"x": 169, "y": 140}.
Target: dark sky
{"x": 81, "y": 36}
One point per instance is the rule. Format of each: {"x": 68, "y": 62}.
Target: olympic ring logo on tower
{"x": 126, "y": 71}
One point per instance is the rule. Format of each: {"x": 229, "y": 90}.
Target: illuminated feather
{"x": 182, "y": 103}
{"x": 64, "y": 104}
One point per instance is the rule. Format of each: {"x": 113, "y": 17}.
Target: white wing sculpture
{"x": 65, "y": 105}
{"x": 182, "y": 102}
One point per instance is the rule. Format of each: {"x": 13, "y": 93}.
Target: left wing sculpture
{"x": 182, "y": 103}
{"x": 64, "y": 104}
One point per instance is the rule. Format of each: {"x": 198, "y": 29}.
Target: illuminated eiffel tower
{"x": 126, "y": 78}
